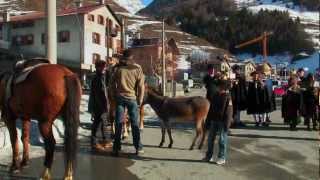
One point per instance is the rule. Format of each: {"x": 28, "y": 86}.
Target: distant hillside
{"x": 224, "y": 24}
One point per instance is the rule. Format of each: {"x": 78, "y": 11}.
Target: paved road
{"x": 254, "y": 154}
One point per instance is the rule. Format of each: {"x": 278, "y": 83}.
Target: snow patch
{"x": 132, "y": 6}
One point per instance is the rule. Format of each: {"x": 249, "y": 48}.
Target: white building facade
{"x": 84, "y": 35}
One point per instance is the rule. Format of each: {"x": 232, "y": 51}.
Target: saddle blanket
{"x": 18, "y": 78}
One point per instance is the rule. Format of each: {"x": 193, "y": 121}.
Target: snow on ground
{"x": 130, "y": 15}
{"x": 171, "y": 31}
{"x": 137, "y": 24}
{"x": 35, "y": 140}
{"x": 182, "y": 62}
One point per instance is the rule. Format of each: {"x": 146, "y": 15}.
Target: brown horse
{"x": 183, "y": 108}
{"x": 48, "y": 91}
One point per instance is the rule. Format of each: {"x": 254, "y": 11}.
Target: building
{"x": 148, "y": 53}
{"x": 246, "y": 68}
{"x": 85, "y": 34}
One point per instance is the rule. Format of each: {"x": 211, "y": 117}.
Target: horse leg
{"x": 163, "y": 133}
{"x": 11, "y": 125}
{"x": 168, "y": 127}
{"x": 50, "y": 143}
{"x": 203, "y": 135}
{"x": 25, "y": 140}
{"x": 198, "y": 132}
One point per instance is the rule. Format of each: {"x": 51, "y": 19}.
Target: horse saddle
{"x": 20, "y": 73}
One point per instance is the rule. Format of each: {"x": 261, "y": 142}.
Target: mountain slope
{"x": 132, "y": 6}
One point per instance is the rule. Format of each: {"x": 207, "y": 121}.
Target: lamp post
{"x": 52, "y": 31}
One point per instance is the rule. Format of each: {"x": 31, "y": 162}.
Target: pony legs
{"x": 25, "y": 140}
{"x": 11, "y": 124}
{"x": 50, "y": 143}
{"x": 199, "y": 131}
{"x": 163, "y": 133}
{"x": 168, "y": 126}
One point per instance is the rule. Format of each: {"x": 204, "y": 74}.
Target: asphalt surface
{"x": 253, "y": 154}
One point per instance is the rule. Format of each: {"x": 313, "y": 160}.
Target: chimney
{"x": 79, "y": 3}
{"x": 6, "y": 16}
{"x": 102, "y": 2}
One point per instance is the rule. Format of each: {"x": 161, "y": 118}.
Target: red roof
{"x": 65, "y": 12}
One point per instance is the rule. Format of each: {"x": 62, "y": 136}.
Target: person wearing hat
{"x": 220, "y": 115}
{"x": 128, "y": 86}
{"x": 210, "y": 82}
{"x": 292, "y": 103}
{"x": 239, "y": 96}
{"x": 257, "y": 96}
{"x": 98, "y": 102}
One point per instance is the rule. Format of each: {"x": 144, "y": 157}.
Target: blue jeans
{"x": 132, "y": 106}
{"x": 217, "y": 128}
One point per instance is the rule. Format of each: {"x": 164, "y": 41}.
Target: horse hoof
{"x": 170, "y": 146}
{"x": 68, "y": 178}
{"x": 46, "y": 174}
{"x": 160, "y": 145}
{"x": 191, "y": 148}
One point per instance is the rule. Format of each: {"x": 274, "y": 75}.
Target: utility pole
{"x": 163, "y": 61}
{"x": 52, "y": 31}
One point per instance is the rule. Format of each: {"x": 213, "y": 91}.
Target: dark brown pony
{"x": 183, "y": 108}
{"x": 49, "y": 91}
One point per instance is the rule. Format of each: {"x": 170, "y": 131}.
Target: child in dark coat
{"x": 220, "y": 115}
{"x": 292, "y": 103}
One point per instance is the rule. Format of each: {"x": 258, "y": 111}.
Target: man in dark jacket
{"x": 210, "y": 82}
{"x": 239, "y": 96}
{"x": 220, "y": 115}
{"x": 98, "y": 102}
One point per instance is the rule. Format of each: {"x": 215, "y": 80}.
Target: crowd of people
{"x": 228, "y": 97}
{"x": 119, "y": 84}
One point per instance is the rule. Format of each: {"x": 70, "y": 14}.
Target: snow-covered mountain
{"x": 132, "y": 6}
{"x": 310, "y": 19}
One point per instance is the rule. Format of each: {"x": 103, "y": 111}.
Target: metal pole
{"x": 52, "y": 31}
{"x": 124, "y": 46}
{"x": 107, "y": 39}
{"x": 163, "y": 61}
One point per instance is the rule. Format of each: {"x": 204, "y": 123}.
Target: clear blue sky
{"x": 146, "y": 2}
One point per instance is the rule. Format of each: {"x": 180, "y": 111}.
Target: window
{"x": 23, "y": 40}
{"x": 91, "y": 17}
{"x": 64, "y": 36}
{"x": 100, "y": 20}
{"x": 96, "y": 38}
{"x": 28, "y": 39}
{"x": 109, "y": 42}
{"x": 43, "y": 38}
{"x": 23, "y": 24}
{"x": 95, "y": 57}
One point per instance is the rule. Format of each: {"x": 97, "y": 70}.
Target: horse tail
{"x": 71, "y": 118}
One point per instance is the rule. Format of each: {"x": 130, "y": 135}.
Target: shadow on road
{"x": 256, "y": 136}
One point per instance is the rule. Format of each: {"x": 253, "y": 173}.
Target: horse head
{"x": 150, "y": 91}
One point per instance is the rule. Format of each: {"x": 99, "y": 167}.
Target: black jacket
{"x": 221, "y": 109}
{"x": 239, "y": 94}
{"x": 211, "y": 86}
{"x": 98, "y": 99}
